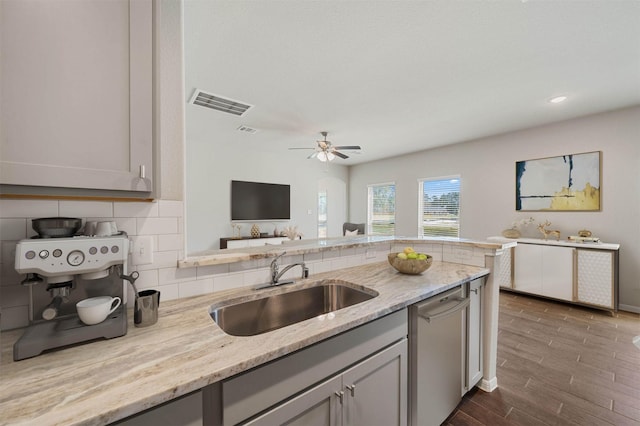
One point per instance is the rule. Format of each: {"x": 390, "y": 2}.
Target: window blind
{"x": 439, "y": 207}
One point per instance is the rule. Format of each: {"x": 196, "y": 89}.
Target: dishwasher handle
{"x": 463, "y": 302}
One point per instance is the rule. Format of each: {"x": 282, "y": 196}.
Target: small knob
{"x": 340, "y": 396}
{"x": 352, "y": 389}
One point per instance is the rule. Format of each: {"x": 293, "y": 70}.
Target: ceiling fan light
{"x": 326, "y": 156}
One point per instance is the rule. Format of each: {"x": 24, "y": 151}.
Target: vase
{"x": 511, "y": 233}
{"x": 255, "y": 231}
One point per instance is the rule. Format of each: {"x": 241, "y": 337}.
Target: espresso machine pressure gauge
{"x": 75, "y": 258}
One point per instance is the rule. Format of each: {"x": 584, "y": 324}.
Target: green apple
{"x": 412, "y": 255}
{"x": 402, "y": 256}
{"x": 422, "y": 256}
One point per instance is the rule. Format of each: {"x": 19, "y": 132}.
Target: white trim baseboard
{"x": 488, "y": 385}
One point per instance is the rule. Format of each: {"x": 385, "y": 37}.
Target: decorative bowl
{"x": 585, "y": 233}
{"x": 410, "y": 266}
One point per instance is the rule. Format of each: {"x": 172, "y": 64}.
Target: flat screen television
{"x": 254, "y": 201}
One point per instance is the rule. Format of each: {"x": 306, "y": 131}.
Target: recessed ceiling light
{"x": 558, "y": 99}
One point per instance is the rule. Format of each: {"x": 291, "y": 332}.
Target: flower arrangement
{"x": 514, "y": 231}
{"x": 522, "y": 222}
{"x": 291, "y": 232}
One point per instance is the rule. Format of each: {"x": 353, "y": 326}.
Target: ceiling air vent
{"x": 219, "y": 103}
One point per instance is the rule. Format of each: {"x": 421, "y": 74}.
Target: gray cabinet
{"x": 77, "y": 92}
{"x": 183, "y": 411}
{"x": 375, "y": 391}
{"x": 474, "y": 337}
{"x": 371, "y": 392}
{"x": 343, "y": 380}
{"x": 318, "y": 406}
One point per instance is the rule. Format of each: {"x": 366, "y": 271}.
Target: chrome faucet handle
{"x": 275, "y": 261}
{"x": 274, "y": 267}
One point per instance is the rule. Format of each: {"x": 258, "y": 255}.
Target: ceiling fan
{"x": 325, "y": 151}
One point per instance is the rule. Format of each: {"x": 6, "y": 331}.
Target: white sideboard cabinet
{"x": 77, "y": 94}
{"x": 573, "y": 272}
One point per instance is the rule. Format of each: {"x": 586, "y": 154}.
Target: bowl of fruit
{"x": 410, "y": 262}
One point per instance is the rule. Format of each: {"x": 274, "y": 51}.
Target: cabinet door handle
{"x": 142, "y": 172}
{"x": 462, "y": 303}
{"x": 340, "y": 396}
{"x": 352, "y": 389}
{"x": 475, "y": 290}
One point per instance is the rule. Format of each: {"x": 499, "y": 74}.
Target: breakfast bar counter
{"x": 107, "y": 380}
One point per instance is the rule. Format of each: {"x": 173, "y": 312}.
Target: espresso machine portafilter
{"x": 62, "y": 271}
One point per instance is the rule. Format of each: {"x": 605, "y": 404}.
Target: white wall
{"x": 212, "y": 166}
{"x": 487, "y": 167}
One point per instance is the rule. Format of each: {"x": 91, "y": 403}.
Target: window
{"x": 322, "y": 214}
{"x": 381, "y": 213}
{"x": 439, "y": 207}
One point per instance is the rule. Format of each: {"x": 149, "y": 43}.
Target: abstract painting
{"x": 563, "y": 183}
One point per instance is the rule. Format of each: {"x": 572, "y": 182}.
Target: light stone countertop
{"x": 562, "y": 243}
{"x": 217, "y": 257}
{"x": 104, "y": 381}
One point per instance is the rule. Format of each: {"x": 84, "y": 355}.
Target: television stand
{"x": 242, "y": 242}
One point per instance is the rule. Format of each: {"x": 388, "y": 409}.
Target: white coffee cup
{"x": 94, "y": 310}
{"x": 103, "y": 229}
{"x": 114, "y": 227}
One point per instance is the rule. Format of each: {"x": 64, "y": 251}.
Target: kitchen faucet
{"x": 276, "y": 274}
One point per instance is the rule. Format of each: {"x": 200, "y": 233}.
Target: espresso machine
{"x": 59, "y": 273}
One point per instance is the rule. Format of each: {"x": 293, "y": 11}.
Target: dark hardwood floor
{"x": 559, "y": 364}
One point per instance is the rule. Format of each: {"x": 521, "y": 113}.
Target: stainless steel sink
{"x": 268, "y": 313}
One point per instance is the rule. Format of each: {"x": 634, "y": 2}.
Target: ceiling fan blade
{"x": 339, "y": 154}
{"x": 301, "y": 148}
{"x": 314, "y": 155}
{"x": 347, "y": 147}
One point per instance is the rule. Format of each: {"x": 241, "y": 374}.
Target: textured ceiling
{"x": 402, "y": 76}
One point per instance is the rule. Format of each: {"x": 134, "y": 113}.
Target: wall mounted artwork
{"x": 563, "y": 183}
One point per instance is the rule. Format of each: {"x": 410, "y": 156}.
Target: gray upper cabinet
{"x": 77, "y": 93}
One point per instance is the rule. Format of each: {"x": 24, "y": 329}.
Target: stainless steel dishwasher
{"x": 436, "y": 356}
